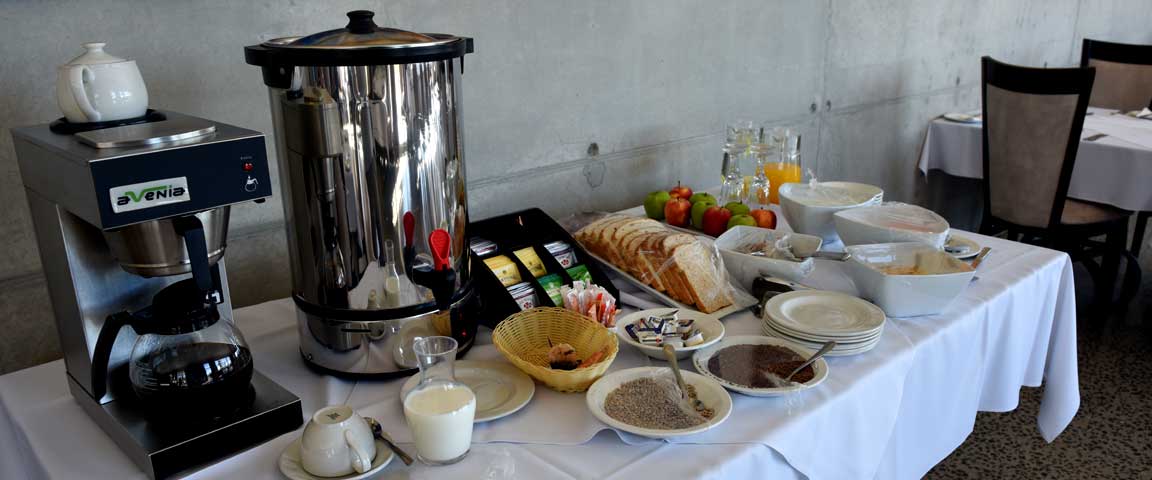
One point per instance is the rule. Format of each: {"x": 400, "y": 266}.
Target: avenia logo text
{"x": 151, "y": 194}
{"x": 164, "y": 191}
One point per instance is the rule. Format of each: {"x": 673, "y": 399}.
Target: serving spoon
{"x": 670, "y": 354}
{"x": 784, "y": 382}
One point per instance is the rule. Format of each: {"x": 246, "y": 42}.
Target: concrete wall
{"x": 652, "y": 83}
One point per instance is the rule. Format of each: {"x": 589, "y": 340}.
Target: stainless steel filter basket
{"x": 371, "y": 156}
{"x": 155, "y": 249}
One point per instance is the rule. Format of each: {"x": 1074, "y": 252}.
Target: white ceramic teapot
{"x": 98, "y": 87}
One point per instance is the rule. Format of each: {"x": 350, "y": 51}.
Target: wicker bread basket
{"x": 523, "y": 339}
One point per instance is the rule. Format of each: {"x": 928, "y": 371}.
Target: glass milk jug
{"x": 440, "y": 409}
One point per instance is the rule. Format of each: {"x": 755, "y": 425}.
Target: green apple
{"x": 654, "y": 204}
{"x": 701, "y": 196}
{"x": 741, "y": 220}
{"x": 698, "y": 208}
{"x": 737, "y": 208}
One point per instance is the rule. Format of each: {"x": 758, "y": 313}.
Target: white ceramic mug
{"x": 98, "y": 87}
{"x": 337, "y": 441}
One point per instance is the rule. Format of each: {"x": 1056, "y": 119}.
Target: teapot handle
{"x": 361, "y": 461}
{"x": 76, "y": 76}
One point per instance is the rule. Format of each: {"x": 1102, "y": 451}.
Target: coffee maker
{"x": 131, "y": 220}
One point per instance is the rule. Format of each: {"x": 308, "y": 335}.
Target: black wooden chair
{"x": 1123, "y": 82}
{"x": 1033, "y": 118}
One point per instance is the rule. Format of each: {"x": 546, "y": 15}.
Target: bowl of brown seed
{"x": 646, "y": 401}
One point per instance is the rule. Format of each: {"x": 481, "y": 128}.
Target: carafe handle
{"x": 76, "y": 76}
{"x": 361, "y": 461}
{"x": 103, "y": 351}
{"x": 192, "y": 230}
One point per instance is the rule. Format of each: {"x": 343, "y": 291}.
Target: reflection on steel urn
{"x": 371, "y": 156}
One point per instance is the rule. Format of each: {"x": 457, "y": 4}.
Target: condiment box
{"x": 527, "y": 229}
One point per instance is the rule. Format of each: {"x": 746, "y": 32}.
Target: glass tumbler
{"x": 440, "y": 410}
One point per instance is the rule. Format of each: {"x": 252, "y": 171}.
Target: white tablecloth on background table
{"x": 1114, "y": 170}
{"x": 893, "y": 412}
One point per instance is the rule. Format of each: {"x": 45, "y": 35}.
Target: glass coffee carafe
{"x": 188, "y": 361}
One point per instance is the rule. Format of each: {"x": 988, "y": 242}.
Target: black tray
{"x": 526, "y": 228}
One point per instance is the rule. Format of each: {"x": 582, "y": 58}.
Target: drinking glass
{"x": 440, "y": 410}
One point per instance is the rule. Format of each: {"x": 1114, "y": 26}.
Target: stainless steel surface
{"x": 145, "y": 134}
{"x": 371, "y": 347}
{"x": 164, "y": 451}
{"x": 359, "y": 147}
{"x": 828, "y": 346}
{"x": 86, "y": 284}
{"x": 378, "y": 432}
{"x": 154, "y": 249}
{"x": 58, "y": 167}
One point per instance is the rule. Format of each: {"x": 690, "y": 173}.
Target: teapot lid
{"x": 94, "y": 54}
{"x": 360, "y": 42}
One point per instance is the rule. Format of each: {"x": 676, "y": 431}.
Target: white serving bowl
{"x": 810, "y": 213}
{"x": 907, "y": 295}
{"x": 820, "y": 367}
{"x": 709, "y": 326}
{"x": 745, "y": 268}
{"x": 891, "y": 223}
{"x": 707, "y": 391}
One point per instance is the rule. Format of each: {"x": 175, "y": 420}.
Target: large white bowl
{"x": 709, "y": 326}
{"x": 745, "y": 268}
{"x": 809, "y": 215}
{"x": 707, "y": 391}
{"x": 907, "y": 295}
{"x": 700, "y": 361}
{"x": 891, "y": 223}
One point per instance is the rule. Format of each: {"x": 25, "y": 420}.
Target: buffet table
{"x": 893, "y": 412}
{"x": 1113, "y": 169}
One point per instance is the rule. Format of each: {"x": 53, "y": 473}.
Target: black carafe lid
{"x": 179, "y": 308}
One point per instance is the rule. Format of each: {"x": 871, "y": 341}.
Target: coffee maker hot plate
{"x": 171, "y": 446}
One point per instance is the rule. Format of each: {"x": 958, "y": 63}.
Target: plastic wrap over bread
{"x": 685, "y": 267}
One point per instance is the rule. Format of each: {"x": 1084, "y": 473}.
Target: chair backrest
{"x": 1032, "y": 123}
{"x": 1123, "y": 74}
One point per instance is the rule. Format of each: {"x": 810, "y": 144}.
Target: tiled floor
{"x": 1111, "y": 436}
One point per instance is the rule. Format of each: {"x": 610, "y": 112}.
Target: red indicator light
{"x": 248, "y": 166}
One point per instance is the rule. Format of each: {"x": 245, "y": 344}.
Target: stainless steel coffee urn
{"x": 371, "y": 153}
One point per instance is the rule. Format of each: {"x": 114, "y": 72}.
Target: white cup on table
{"x": 337, "y": 441}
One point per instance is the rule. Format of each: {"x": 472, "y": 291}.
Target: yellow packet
{"x": 505, "y": 270}
{"x": 531, "y": 261}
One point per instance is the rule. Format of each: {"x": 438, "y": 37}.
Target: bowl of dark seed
{"x": 744, "y": 364}
{"x": 646, "y": 401}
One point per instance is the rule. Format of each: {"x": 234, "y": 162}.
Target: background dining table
{"x": 1113, "y": 164}
{"x": 893, "y": 412}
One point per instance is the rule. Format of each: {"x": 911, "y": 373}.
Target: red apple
{"x": 678, "y": 211}
{"x": 764, "y": 218}
{"x": 680, "y": 191}
{"x": 716, "y": 220}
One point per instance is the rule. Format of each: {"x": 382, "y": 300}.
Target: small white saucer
{"x": 968, "y": 247}
{"x": 963, "y": 118}
{"x": 291, "y": 467}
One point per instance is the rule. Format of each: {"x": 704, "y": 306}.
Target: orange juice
{"x": 779, "y": 173}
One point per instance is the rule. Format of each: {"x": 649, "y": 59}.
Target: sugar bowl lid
{"x": 360, "y": 42}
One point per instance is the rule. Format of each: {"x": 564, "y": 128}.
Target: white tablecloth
{"x": 1115, "y": 169}
{"x": 891, "y": 413}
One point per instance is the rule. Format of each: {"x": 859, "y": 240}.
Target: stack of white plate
{"x": 812, "y": 317}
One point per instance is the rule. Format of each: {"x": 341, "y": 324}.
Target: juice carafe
{"x": 787, "y": 167}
